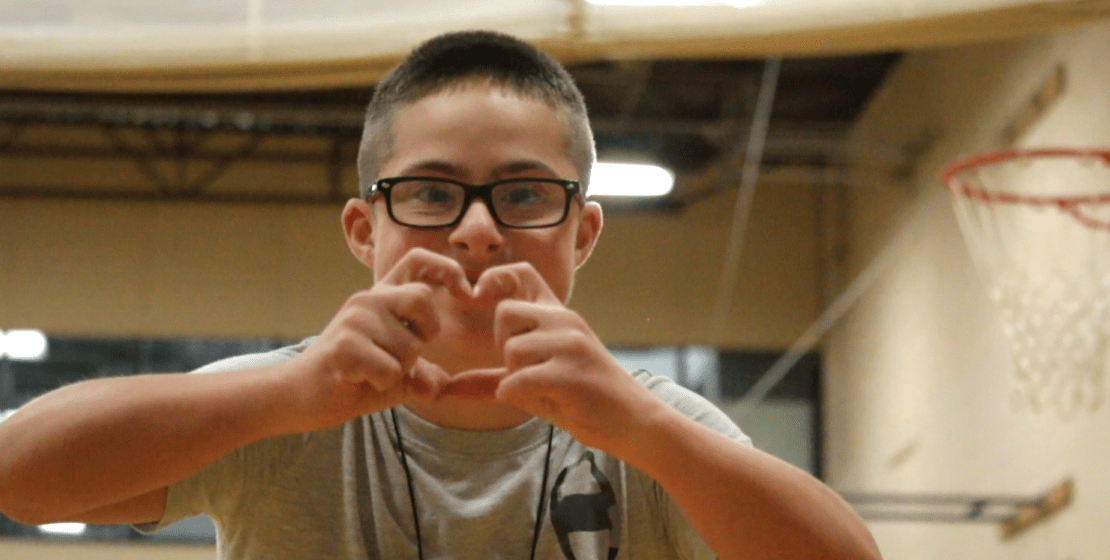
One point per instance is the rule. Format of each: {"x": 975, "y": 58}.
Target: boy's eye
{"x": 523, "y": 195}
{"x": 431, "y": 192}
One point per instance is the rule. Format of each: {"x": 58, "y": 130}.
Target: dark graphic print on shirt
{"x": 582, "y": 504}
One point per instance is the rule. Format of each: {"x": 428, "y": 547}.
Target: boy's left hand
{"x": 555, "y": 367}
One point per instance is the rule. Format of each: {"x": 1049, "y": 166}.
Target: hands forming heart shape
{"x": 401, "y": 340}
{"x": 424, "y": 323}
{"x": 452, "y": 315}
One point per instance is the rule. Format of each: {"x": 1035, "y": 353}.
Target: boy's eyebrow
{"x": 435, "y": 166}
{"x": 525, "y": 165}
{"x": 451, "y": 169}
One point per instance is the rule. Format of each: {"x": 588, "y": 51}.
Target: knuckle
{"x": 573, "y": 318}
{"x": 356, "y": 297}
{"x": 510, "y": 308}
{"x": 348, "y": 319}
{"x": 578, "y": 338}
{"x": 388, "y": 371}
{"x": 380, "y": 374}
{"x": 578, "y": 341}
{"x": 514, "y": 353}
{"x": 414, "y": 297}
{"x": 522, "y": 267}
{"x": 358, "y": 307}
{"x": 363, "y": 297}
{"x": 419, "y": 291}
{"x": 422, "y": 254}
{"x": 409, "y": 259}
{"x": 423, "y": 261}
{"x": 345, "y": 343}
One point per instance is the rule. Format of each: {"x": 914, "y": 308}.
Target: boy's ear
{"x": 358, "y": 228}
{"x": 589, "y": 228}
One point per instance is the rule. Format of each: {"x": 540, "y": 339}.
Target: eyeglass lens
{"x": 524, "y": 203}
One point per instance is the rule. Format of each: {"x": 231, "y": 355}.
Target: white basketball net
{"x": 1038, "y": 227}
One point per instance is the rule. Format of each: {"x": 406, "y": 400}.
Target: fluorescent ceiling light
{"x": 23, "y": 344}
{"x": 627, "y": 179}
{"x": 734, "y": 3}
{"x": 62, "y": 528}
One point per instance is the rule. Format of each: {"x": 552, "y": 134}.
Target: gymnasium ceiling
{"x": 181, "y": 96}
{"x": 688, "y": 115}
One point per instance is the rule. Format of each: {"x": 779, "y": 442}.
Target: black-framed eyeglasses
{"x": 432, "y": 202}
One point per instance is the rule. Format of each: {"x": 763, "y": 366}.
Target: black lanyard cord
{"x": 412, "y": 491}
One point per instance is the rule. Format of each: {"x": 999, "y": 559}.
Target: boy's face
{"x": 478, "y": 134}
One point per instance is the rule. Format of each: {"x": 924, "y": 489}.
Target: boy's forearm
{"x": 744, "y": 503}
{"x": 100, "y": 442}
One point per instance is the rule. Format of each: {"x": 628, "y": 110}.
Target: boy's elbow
{"x": 16, "y": 502}
{"x": 16, "y": 507}
{"x": 24, "y": 517}
{"x": 23, "y": 508}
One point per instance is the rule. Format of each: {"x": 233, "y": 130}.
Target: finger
{"x": 391, "y": 317}
{"x": 513, "y": 281}
{"x": 372, "y": 364}
{"x": 515, "y": 318}
{"x": 426, "y": 380}
{"x": 476, "y": 384}
{"x": 533, "y": 389}
{"x": 422, "y": 265}
{"x": 532, "y": 348}
{"x": 412, "y": 309}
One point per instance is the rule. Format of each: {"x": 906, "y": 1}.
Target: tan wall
{"x": 918, "y": 394}
{"x": 167, "y": 269}
{"x": 653, "y": 279}
{"x": 20, "y": 549}
{"x": 173, "y": 268}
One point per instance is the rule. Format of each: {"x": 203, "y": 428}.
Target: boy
{"x": 456, "y": 409}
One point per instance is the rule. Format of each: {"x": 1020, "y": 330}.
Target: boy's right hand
{"x": 368, "y": 357}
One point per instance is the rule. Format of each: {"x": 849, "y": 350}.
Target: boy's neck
{"x": 450, "y": 412}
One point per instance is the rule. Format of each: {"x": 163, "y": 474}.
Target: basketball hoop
{"x": 1037, "y": 224}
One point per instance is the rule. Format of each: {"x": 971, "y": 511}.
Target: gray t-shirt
{"x": 343, "y": 493}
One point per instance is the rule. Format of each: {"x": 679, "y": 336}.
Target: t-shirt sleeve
{"x": 234, "y": 479}
{"x": 232, "y": 482}
{"x": 692, "y": 405}
{"x": 686, "y": 541}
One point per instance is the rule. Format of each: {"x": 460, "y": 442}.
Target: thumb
{"x": 426, "y": 380}
{"x": 476, "y": 384}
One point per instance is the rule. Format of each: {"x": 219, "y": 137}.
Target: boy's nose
{"x": 477, "y": 233}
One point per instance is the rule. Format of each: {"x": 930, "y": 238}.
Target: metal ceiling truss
{"x": 170, "y": 144}
{"x": 184, "y": 144}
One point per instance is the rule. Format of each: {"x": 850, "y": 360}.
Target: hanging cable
{"x": 749, "y": 175}
{"x": 840, "y": 306}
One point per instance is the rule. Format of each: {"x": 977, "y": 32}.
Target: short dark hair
{"x": 454, "y": 58}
